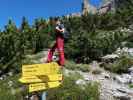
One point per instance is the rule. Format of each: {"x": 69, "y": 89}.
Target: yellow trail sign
{"x": 43, "y": 78}
{"x": 43, "y": 86}
{"x": 40, "y": 69}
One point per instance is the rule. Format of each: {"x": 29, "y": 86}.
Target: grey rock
{"x": 131, "y": 73}
{"x": 131, "y": 27}
{"x": 121, "y": 96}
{"x": 67, "y": 72}
{"x": 124, "y": 98}
{"x": 111, "y": 56}
{"x": 26, "y": 97}
{"x": 101, "y": 78}
{"x": 130, "y": 69}
{"x": 10, "y": 83}
{"x": 0, "y": 71}
{"x": 125, "y": 50}
{"x": 130, "y": 51}
{"x": 80, "y": 82}
{"x": 125, "y": 78}
{"x": 1, "y": 78}
{"x": 131, "y": 81}
{"x": 122, "y": 90}
{"x": 43, "y": 60}
{"x": 13, "y": 91}
{"x": 106, "y": 75}
{"x": 126, "y": 91}
{"x": 34, "y": 97}
{"x": 95, "y": 64}
{"x": 87, "y": 77}
{"x": 10, "y": 73}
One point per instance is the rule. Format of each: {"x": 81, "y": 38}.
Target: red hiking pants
{"x": 60, "y": 47}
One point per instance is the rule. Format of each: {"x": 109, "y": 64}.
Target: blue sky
{"x": 31, "y": 9}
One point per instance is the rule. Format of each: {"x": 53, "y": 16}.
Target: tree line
{"x": 91, "y": 37}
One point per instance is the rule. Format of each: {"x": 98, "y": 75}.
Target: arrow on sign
{"x": 43, "y": 78}
{"x": 40, "y": 69}
{"x": 43, "y": 86}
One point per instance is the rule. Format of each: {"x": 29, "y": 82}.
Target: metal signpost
{"x": 44, "y": 95}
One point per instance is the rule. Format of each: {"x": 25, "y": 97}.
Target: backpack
{"x": 65, "y": 33}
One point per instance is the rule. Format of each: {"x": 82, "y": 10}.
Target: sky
{"x": 31, "y": 9}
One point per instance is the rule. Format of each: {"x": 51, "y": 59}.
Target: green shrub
{"x": 71, "y": 91}
{"x": 121, "y": 65}
{"x": 130, "y": 85}
{"x": 70, "y": 65}
{"x": 73, "y": 66}
{"x": 83, "y": 67}
{"x": 10, "y": 92}
{"x": 16, "y": 43}
{"x": 92, "y": 37}
{"x": 75, "y": 76}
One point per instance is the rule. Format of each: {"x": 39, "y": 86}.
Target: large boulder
{"x": 124, "y": 78}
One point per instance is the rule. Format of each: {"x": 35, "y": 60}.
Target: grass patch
{"x": 130, "y": 85}
{"x": 75, "y": 76}
{"x": 12, "y": 92}
{"x": 73, "y": 66}
{"x": 69, "y": 90}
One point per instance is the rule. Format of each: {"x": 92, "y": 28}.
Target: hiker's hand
{"x": 60, "y": 30}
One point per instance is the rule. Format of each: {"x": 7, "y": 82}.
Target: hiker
{"x": 59, "y": 45}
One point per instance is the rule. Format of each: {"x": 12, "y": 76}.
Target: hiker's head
{"x": 57, "y": 21}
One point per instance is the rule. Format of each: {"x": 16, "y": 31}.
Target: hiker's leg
{"x": 60, "y": 46}
{"x": 50, "y": 53}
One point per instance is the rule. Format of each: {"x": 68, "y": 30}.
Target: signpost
{"x": 44, "y": 95}
{"x": 41, "y": 77}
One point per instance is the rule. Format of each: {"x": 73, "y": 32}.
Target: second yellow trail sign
{"x": 43, "y": 86}
{"x": 44, "y": 78}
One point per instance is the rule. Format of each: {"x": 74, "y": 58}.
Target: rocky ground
{"x": 112, "y": 86}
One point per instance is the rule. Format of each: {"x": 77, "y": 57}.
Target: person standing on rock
{"x": 59, "y": 45}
